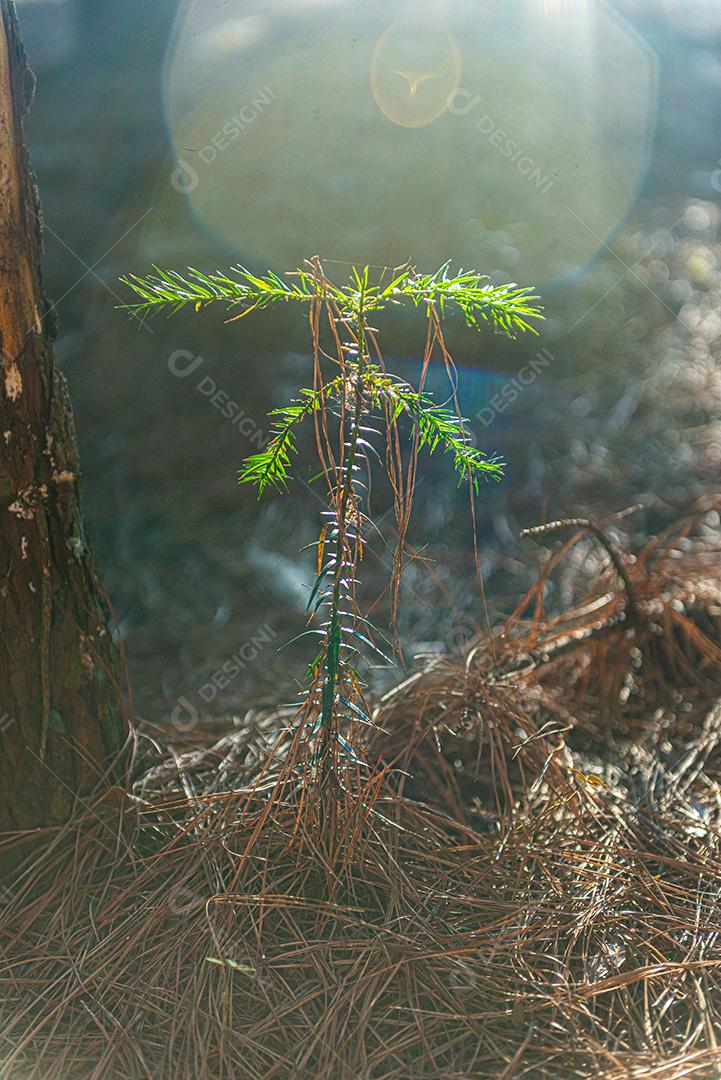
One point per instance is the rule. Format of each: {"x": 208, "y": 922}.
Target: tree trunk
{"x": 62, "y": 721}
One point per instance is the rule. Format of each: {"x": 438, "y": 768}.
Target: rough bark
{"x": 61, "y": 714}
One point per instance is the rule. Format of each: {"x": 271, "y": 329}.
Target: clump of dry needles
{"x": 524, "y": 881}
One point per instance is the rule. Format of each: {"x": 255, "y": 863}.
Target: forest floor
{"x": 522, "y": 880}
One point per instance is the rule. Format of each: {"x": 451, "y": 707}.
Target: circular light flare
{"x": 414, "y": 71}
{"x": 552, "y": 130}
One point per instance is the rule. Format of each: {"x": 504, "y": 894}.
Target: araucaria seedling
{"x": 356, "y": 405}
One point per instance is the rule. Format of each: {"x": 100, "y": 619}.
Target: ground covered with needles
{"x": 522, "y": 880}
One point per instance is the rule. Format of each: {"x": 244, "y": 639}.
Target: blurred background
{"x": 573, "y": 145}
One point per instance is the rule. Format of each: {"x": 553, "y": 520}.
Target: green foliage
{"x": 505, "y": 308}
{"x": 346, "y": 407}
{"x": 438, "y": 424}
{"x": 167, "y": 291}
{"x": 270, "y": 466}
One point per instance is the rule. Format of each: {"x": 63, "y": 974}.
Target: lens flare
{"x": 491, "y": 134}
{"x": 414, "y": 71}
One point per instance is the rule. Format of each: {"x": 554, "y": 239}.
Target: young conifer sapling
{"x": 357, "y": 407}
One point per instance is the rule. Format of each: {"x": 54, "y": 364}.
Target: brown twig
{"x": 614, "y": 553}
